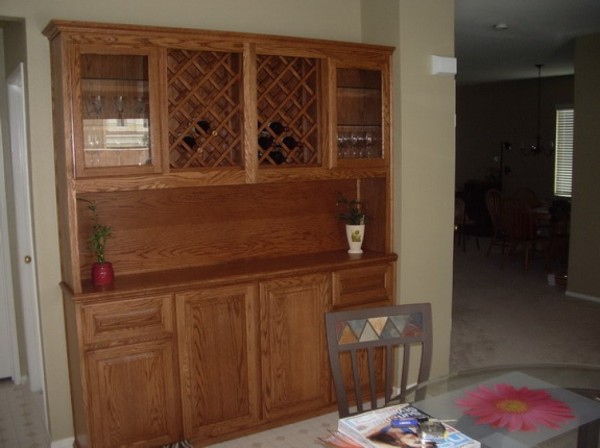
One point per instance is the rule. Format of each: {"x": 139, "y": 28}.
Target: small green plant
{"x": 352, "y": 210}
{"x": 100, "y": 233}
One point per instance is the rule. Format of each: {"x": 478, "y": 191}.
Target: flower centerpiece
{"x": 102, "y": 270}
{"x": 353, "y": 214}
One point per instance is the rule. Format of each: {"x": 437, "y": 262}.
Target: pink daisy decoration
{"x": 517, "y": 409}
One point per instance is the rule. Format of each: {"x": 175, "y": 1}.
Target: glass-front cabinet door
{"x": 115, "y": 124}
{"x": 360, "y": 105}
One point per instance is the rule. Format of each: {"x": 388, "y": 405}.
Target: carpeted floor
{"x": 504, "y": 315}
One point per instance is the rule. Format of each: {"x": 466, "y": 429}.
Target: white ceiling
{"x": 540, "y": 32}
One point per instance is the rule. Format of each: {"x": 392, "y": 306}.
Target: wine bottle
{"x": 204, "y": 125}
{"x": 290, "y": 142}
{"x": 277, "y": 156}
{"x": 265, "y": 140}
{"x": 277, "y": 127}
{"x": 189, "y": 141}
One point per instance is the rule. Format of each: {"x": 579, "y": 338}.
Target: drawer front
{"x": 127, "y": 319}
{"x": 363, "y": 285}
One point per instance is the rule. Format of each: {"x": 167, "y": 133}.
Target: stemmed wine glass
{"x": 120, "y": 105}
{"x": 97, "y": 105}
{"x": 140, "y": 109}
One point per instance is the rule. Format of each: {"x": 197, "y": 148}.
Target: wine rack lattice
{"x": 205, "y": 112}
{"x": 288, "y": 110}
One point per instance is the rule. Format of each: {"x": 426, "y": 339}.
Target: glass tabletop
{"x": 551, "y": 405}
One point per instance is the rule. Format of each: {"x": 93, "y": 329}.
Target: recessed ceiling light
{"x": 501, "y": 26}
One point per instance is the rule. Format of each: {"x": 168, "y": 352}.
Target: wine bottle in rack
{"x": 290, "y": 142}
{"x": 204, "y": 125}
{"x": 189, "y": 141}
{"x": 277, "y": 127}
{"x": 277, "y": 155}
{"x": 265, "y": 140}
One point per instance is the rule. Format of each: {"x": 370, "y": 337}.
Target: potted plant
{"x": 353, "y": 214}
{"x": 102, "y": 270}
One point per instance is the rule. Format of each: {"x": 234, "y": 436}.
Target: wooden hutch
{"x": 216, "y": 158}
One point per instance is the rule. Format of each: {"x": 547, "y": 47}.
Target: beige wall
{"x": 423, "y": 104}
{"x": 423, "y": 112}
{"x": 584, "y": 256}
{"x": 424, "y": 171}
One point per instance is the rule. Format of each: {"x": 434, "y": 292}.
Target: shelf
{"x": 228, "y": 273}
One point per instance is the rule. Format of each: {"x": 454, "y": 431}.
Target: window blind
{"x": 563, "y": 159}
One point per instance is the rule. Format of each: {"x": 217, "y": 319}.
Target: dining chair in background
{"x": 464, "y": 226}
{"x": 493, "y": 202}
{"x": 371, "y": 352}
{"x": 520, "y": 227}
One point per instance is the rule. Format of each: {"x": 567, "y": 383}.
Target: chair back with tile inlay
{"x": 370, "y": 353}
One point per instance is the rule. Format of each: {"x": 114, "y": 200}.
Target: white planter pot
{"x": 355, "y": 235}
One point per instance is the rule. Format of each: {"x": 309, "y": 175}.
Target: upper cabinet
{"x": 205, "y": 109}
{"x": 359, "y": 114}
{"x": 362, "y": 114}
{"x": 146, "y": 107}
{"x": 114, "y": 96}
{"x": 288, "y": 100}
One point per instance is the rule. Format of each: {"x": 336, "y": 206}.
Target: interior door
{"x": 9, "y": 350}
{"x": 6, "y": 340}
{"x": 27, "y": 285}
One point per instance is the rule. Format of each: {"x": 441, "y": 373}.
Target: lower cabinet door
{"x": 133, "y": 397}
{"x": 218, "y": 349}
{"x": 294, "y": 359}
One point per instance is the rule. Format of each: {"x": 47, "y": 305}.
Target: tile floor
{"x": 21, "y": 418}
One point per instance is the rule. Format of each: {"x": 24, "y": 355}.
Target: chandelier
{"x": 537, "y": 147}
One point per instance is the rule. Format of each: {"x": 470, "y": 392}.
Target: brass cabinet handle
{"x": 27, "y": 259}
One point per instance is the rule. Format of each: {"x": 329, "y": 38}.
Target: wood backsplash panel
{"x": 176, "y": 228}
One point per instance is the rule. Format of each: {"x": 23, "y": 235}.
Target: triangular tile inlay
{"x": 347, "y": 336}
{"x": 400, "y": 321}
{"x": 378, "y": 323}
{"x": 369, "y": 334}
{"x": 357, "y": 326}
{"x": 390, "y": 331}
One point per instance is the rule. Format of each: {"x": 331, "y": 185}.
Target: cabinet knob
{"x": 27, "y": 259}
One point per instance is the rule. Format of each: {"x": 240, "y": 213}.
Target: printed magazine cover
{"x": 396, "y": 426}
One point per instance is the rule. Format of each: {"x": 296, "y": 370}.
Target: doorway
{"x": 19, "y": 290}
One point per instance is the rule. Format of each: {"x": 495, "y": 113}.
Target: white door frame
{"x": 21, "y": 188}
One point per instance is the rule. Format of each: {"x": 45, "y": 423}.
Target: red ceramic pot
{"x": 102, "y": 274}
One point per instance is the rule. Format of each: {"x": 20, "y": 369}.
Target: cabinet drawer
{"x": 362, "y": 285}
{"x": 127, "y": 319}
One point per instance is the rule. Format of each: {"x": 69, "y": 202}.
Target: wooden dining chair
{"x": 370, "y": 353}
{"x": 520, "y": 226}
{"x": 464, "y": 226}
{"x": 493, "y": 202}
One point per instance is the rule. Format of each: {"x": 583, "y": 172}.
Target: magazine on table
{"x": 401, "y": 426}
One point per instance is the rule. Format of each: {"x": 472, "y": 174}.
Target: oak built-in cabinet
{"x": 217, "y": 159}
{"x": 218, "y": 335}
{"x": 295, "y": 375}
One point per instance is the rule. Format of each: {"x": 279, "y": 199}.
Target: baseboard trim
{"x": 63, "y": 443}
{"x": 577, "y": 295}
